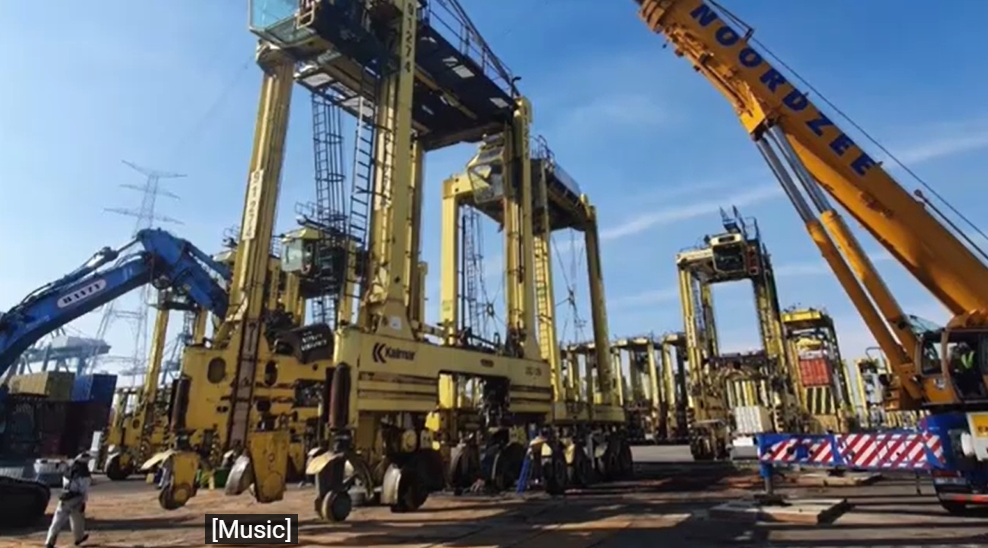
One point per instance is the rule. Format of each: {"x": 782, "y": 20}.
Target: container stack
{"x": 94, "y": 388}
{"x": 815, "y": 372}
{"x": 55, "y": 385}
{"x": 51, "y": 417}
{"x": 753, "y": 419}
{"x": 20, "y": 439}
{"x": 35, "y": 412}
{"x": 92, "y": 400}
{"x": 54, "y": 414}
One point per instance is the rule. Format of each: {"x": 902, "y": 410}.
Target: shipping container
{"x": 753, "y": 419}
{"x": 97, "y": 388}
{"x": 20, "y": 415}
{"x": 815, "y": 372}
{"x": 57, "y": 385}
{"x": 50, "y": 445}
{"x": 97, "y": 415}
{"x": 18, "y": 449}
{"x": 74, "y": 442}
{"x": 51, "y": 416}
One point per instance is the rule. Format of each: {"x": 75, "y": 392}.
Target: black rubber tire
{"x": 22, "y": 502}
{"x": 115, "y": 472}
{"x": 411, "y": 493}
{"x": 555, "y": 474}
{"x": 336, "y": 506}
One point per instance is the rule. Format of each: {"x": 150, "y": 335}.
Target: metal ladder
{"x": 363, "y": 191}
{"x": 472, "y": 272}
{"x": 329, "y": 209}
{"x": 543, "y": 295}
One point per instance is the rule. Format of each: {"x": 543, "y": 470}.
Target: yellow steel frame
{"x": 204, "y": 406}
{"x": 647, "y": 401}
{"x": 674, "y": 367}
{"x": 133, "y": 436}
{"x": 810, "y": 330}
{"x": 388, "y": 401}
{"x": 524, "y": 194}
{"x": 715, "y": 391}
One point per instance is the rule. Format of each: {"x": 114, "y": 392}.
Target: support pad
{"x": 813, "y": 511}
{"x": 823, "y": 479}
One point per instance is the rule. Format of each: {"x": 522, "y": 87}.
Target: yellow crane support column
{"x": 707, "y": 421}
{"x": 134, "y": 435}
{"x": 415, "y": 269}
{"x": 390, "y": 260}
{"x": 674, "y": 366}
{"x": 645, "y": 405}
{"x": 816, "y": 354}
{"x": 706, "y": 300}
{"x": 454, "y": 189}
{"x": 598, "y": 310}
{"x": 545, "y": 297}
{"x": 239, "y": 342}
{"x": 518, "y": 229}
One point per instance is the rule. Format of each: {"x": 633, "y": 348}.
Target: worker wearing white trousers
{"x": 72, "y": 502}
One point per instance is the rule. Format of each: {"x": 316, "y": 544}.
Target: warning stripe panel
{"x": 883, "y": 451}
{"x": 800, "y": 449}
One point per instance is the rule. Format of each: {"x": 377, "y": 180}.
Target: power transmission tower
{"x": 136, "y": 313}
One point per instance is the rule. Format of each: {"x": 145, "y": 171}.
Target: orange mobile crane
{"x": 813, "y": 158}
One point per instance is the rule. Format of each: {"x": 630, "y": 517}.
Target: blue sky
{"x": 171, "y": 85}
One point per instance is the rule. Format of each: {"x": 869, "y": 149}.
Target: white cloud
{"x": 580, "y": 98}
{"x": 685, "y": 212}
{"x": 615, "y": 112}
{"x": 820, "y": 268}
{"x": 964, "y": 140}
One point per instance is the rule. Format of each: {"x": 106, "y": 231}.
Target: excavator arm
{"x": 165, "y": 262}
{"x": 791, "y": 130}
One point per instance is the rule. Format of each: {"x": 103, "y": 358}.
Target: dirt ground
{"x": 667, "y": 506}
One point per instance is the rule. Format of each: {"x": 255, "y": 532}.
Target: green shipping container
{"x": 56, "y": 385}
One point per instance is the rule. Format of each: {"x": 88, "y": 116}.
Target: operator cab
{"x": 961, "y": 352}
{"x": 728, "y": 253}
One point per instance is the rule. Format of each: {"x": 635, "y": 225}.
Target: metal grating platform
{"x": 462, "y": 90}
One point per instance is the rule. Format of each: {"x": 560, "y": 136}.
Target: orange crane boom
{"x": 824, "y": 160}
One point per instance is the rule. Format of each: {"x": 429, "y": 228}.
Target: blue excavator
{"x": 154, "y": 257}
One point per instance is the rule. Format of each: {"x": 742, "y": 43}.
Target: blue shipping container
{"x": 98, "y": 388}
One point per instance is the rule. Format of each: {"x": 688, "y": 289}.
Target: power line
{"x": 136, "y": 313}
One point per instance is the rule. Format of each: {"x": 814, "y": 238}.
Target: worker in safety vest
{"x": 968, "y": 375}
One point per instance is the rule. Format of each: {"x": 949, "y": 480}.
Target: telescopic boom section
{"x": 763, "y": 98}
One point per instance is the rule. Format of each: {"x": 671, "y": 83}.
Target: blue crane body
{"x": 162, "y": 260}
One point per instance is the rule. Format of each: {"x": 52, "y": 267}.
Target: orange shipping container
{"x": 814, "y": 372}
